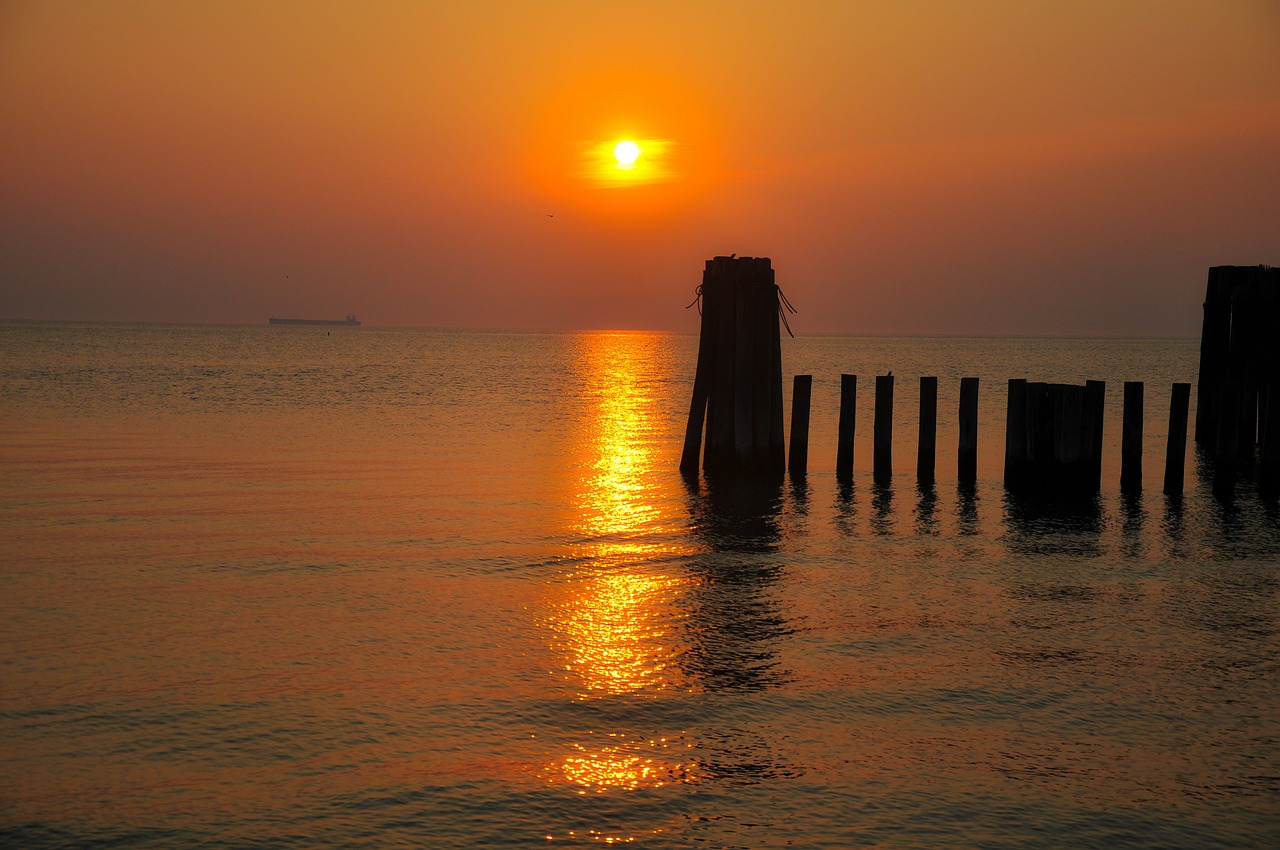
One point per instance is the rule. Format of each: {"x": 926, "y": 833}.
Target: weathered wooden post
{"x": 1176, "y": 453}
{"x": 967, "y": 453}
{"x": 882, "y": 431}
{"x": 737, "y": 390}
{"x": 926, "y": 446}
{"x": 847, "y": 427}
{"x": 801, "y": 392}
{"x": 1015, "y": 433}
{"x": 1269, "y": 479}
{"x": 1240, "y": 345}
{"x": 1131, "y": 439}
{"x": 1215, "y": 337}
{"x": 1095, "y": 398}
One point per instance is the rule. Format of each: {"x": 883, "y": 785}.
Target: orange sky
{"x": 933, "y": 167}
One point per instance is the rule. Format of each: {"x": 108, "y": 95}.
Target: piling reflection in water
{"x": 734, "y": 622}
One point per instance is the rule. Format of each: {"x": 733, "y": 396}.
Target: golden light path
{"x": 611, "y": 621}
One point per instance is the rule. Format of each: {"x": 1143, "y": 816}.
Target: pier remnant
{"x": 1131, "y": 439}
{"x": 846, "y": 428}
{"x": 882, "y": 429}
{"x": 967, "y": 454}
{"x": 1053, "y": 438}
{"x": 1239, "y": 360}
{"x": 737, "y": 389}
{"x": 1269, "y": 480}
{"x": 1176, "y": 454}
{"x": 801, "y": 393}
{"x": 927, "y": 444}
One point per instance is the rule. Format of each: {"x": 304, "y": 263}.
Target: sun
{"x": 626, "y": 153}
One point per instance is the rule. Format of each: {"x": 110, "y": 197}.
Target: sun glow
{"x": 630, "y": 162}
{"x": 626, "y": 153}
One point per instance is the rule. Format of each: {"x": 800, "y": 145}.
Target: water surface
{"x": 290, "y": 586}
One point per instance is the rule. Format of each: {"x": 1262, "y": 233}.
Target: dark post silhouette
{"x": 737, "y": 390}
{"x": 1176, "y": 454}
{"x": 1015, "y": 433}
{"x": 1239, "y": 345}
{"x": 967, "y": 453}
{"x": 926, "y": 448}
{"x": 882, "y": 431}
{"x": 1057, "y": 450}
{"x": 1095, "y": 397}
{"x": 845, "y": 434}
{"x": 1269, "y": 480}
{"x": 802, "y": 389}
{"x": 1131, "y": 439}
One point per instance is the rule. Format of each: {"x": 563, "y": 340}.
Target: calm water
{"x": 283, "y": 587}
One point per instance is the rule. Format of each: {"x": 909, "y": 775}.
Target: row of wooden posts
{"x": 1053, "y": 434}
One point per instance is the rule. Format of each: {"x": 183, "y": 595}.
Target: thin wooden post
{"x": 1215, "y": 335}
{"x": 1176, "y": 453}
{"x": 882, "y": 436}
{"x": 698, "y": 405}
{"x": 743, "y": 383}
{"x": 926, "y": 447}
{"x": 1095, "y": 397}
{"x": 967, "y": 452}
{"x": 1269, "y": 480}
{"x": 801, "y": 391}
{"x": 1015, "y": 432}
{"x": 1038, "y": 448}
{"x": 1076, "y": 469}
{"x": 1131, "y": 439}
{"x": 847, "y": 427}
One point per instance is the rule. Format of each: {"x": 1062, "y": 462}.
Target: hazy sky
{"x": 910, "y": 166}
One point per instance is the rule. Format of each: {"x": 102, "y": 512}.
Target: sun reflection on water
{"x": 614, "y": 619}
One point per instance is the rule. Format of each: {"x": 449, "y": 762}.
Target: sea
{"x": 382, "y": 587}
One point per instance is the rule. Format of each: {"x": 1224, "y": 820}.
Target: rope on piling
{"x": 698, "y": 300}
{"x": 782, "y": 314}
{"x": 784, "y": 307}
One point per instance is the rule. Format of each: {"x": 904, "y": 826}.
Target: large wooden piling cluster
{"x": 738, "y": 385}
{"x": 1239, "y": 384}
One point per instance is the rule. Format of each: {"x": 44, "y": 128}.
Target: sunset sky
{"x": 996, "y": 166}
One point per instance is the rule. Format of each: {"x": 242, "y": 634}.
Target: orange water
{"x": 268, "y": 586}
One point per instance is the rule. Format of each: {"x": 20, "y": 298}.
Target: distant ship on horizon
{"x": 349, "y": 321}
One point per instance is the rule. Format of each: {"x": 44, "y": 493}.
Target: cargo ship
{"x": 350, "y": 321}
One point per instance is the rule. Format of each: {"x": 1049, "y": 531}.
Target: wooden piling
{"x": 802, "y": 389}
{"x": 1176, "y": 453}
{"x": 1131, "y": 439}
{"x": 1227, "y": 444}
{"x": 1095, "y": 398}
{"x": 1074, "y": 463}
{"x": 926, "y": 447}
{"x": 967, "y": 452}
{"x": 1215, "y": 336}
{"x": 882, "y": 432}
{"x": 1269, "y": 477}
{"x": 698, "y": 404}
{"x": 738, "y": 385}
{"x": 1015, "y": 432}
{"x": 1051, "y": 437}
{"x": 847, "y": 427}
